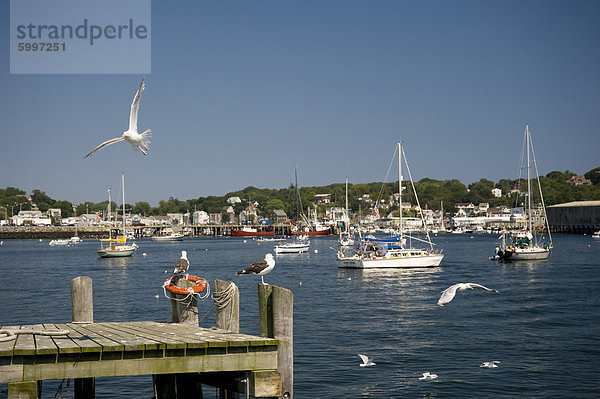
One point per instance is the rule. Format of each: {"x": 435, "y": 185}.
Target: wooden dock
{"x": 135, "y": 348}
{"x": 180, "y": 356}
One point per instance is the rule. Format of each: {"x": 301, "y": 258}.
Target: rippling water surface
{"x": 543, "y": 325}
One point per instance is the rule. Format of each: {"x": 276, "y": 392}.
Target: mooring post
{"x": 276, "y": 317}
{"x": 82, "y": 303}
{"x": 184, "y": 308}
{"x": 82, "y": 300}
{"x": 227, "y": 304}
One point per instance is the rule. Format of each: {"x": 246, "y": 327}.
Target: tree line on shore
{"x": 361, "y": 197}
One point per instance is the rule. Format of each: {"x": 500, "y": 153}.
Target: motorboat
{"x": 168, "y": 237}
{"x": 295, "y": 247}
{"x": 250, "y": 232}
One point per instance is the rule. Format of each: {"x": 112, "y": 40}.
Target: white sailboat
{"x": 117, "y": 247}
{"x": 301, "y": 243}
{"x": 394, "y": 252}
{"x": 526, "y": 244}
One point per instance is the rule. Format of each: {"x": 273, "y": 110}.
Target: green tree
{"x": 66, "y": 208}
{"x": 142, "y": 208}
{"x": 43, "y": 201}
{"x": 593, "y": 175}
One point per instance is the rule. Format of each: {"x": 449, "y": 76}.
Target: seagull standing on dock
{"x": 449, "y": 293}
{"x": 366, "y": 362}
{"x": 182, "y": 264}
{"x": 261, "y": 267}
{"x": 137, "y": 140}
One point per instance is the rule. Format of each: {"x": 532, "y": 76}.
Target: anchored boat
{"x": 117, "y": 247}
{"x": 527, "y": 244}
{"x": 394, "y": 252}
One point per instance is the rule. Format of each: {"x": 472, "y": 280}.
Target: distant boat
{"x": 292, "y": 247}
{"x": 596, "y": 235}
{"x": 526, "y": 245}
{"x": 301, "y": 243}
{"x": 249, "y": 232}
{"x": 60, "y": 242}
{"x": 168, "y": 237}
{"x": 393, "y": 252}
{"x": 117, "y": 247}
{"x": 270, "y": 239}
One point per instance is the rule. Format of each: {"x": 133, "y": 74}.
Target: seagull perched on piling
{"x": 366, "y": 362}
{"x": 261, "y": 267}
{"x": 182, "y": 264}
{"x": 449, "y": 293}
{"x": 137, "y": 140}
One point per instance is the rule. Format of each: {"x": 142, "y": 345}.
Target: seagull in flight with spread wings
{"x": 137, "y": 140}
{"x": 449, "y": 293}
{"x": 366, "y": 361}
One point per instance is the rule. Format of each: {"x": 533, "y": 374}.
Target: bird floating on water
{"x": 261, "y": 267}
{"x": 490, "y": 365}
{"x": 182, "y": 264}
{"x": 449, "y": 293}
{"x": 137, "y": 140}
{"x": 428, "y": 376}
{"x": 366, "y": 362}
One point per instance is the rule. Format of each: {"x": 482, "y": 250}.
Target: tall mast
{"x": 347, "y": 215}
{"x": 400, "y": 183}
{"x": 109, "y": 224}
{"x": 530, "y": 224}
{"x": 123, "y": 188}
{"x": 297, "y": 201}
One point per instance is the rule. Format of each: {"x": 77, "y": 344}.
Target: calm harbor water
{"x": 543, "y": 325}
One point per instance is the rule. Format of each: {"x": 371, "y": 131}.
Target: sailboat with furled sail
{"x": 394, "y": 252}
{"x": 301, "y": 243}
{"x": 116, "y": 247}
{"x": 527, "y": 244}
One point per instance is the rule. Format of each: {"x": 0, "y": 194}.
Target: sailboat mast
{"x": 297, "y": 201}
{"x": 529, "y": 222}
{"x": 123, "y": 187}
{"x": 347, "y": 215}
{"x": 400, "y": 184}
{"x": 109, "y": 224}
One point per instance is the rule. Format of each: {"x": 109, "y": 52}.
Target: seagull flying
{"x": 428, "y": 376}
{"x": 261, "y": 267}
{"x": 137, "y": 140}
{"x": 182, "y": 264}
{"x": 448, "y": 293}
{"x": 366, "y": 362}
{"x": 490, "y": 365}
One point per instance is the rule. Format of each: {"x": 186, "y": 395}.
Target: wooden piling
{"x": 82, "y": 303}
{"x": 184, "y": 308}
{"x": 227, "y": 304}
{"x": 82, "y": 300}
{"x": 276, "y": 317}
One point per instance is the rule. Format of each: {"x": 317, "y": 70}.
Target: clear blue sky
{"x": 242, "y": 92}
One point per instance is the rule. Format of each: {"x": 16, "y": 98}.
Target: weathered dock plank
{"x": 75, "y": 342}
{"x": 133, "y": 348}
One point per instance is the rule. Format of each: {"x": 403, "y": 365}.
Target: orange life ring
{"x": 198, "y": 288}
